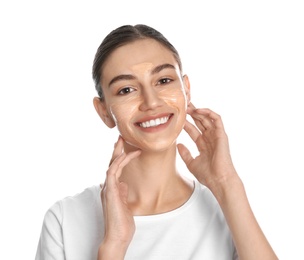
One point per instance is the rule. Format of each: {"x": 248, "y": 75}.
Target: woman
{"x": 145, "y": 208}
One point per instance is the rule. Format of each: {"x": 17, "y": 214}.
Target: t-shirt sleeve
{"x": 50, "y": 246}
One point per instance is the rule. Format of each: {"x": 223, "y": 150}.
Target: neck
{"x": 153, "y": 180}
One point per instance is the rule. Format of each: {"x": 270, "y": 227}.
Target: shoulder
{"x": 90, "y": 194}
{"x": 84, "y": 199}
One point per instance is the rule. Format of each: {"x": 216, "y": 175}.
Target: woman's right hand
{"x": 119, "y": 222}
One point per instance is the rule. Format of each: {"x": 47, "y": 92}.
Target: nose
{"x": 150, "y": 99}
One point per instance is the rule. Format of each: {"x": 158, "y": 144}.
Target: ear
{"x": 101, "y": 109}
{"x": 187, "y": 88}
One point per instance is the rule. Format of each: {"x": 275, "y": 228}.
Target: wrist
{"x": 227, "y": 188}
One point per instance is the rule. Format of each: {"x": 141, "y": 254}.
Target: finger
{"x": 214, "y": 117}
{"x": 185, "y": 154}
{"x": 111, "y": 185}
{"x": 192, "y": 131}
{"x": 118, "y": 148}
{"x": 111, "y": 172}
{"x": 191, "y": 107}
{"x": 130, "y": 156}
{"x": 195, "y": 135}
{"x": 123, "y": 159}
{"x": 120, "y": 162}
{"x": 113, "y": 169}
{"x": 202, "y": 121}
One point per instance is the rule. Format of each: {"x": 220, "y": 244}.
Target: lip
{"x": 148, "y": 118}
{"x": 154, "y": 128}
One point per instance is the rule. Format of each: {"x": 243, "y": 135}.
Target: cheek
{"x": 175, "y": 97}
{"x": 121, "y": 114}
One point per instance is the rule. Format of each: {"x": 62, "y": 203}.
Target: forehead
{"x": 141, "y": 54}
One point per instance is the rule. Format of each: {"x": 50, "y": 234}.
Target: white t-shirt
{"x": 73, "y": 230}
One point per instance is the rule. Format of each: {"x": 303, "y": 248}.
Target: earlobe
{"x": 102, "y": 111}
{"x": 187, "y": 88}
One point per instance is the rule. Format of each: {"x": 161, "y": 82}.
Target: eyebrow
{"x": 122, "y": 77}
{"x": 156, "y": 70}
{"x": 162, "y": 67}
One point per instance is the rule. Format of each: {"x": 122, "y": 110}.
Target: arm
{"x": 213, "y": 167}
{"x": 248, "y": 237}
{"x": 51, "y": 242}
{"x": 119, "y": 222}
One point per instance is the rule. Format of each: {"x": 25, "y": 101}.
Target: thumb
{"x": 185, "y": 154}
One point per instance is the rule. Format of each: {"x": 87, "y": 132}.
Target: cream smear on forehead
{"x": 142, "y": 68}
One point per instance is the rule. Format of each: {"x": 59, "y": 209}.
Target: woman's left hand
{"x": 213, "y": 164}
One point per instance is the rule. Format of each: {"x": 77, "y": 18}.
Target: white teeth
{"x": 156, "y": 122}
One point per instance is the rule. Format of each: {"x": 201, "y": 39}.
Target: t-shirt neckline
{"x": 173, "y": 212}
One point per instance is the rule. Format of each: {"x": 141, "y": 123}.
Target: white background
{"x": 245, "y": 60}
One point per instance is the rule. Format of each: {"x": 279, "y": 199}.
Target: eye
{"x": 164, "y": 81}
{"x": 125, "y": 91}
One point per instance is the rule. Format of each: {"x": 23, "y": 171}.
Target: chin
{"x": 154, "y": 145}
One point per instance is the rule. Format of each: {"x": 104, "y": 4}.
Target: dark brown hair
{"x": 121, "y": 36}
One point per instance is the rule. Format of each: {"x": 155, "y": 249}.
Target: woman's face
{"x": 145, "y": 95}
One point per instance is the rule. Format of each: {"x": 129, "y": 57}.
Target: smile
{"x": 155, "y": 122}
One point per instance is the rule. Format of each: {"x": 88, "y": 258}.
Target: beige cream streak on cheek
{"x": 174, "y": 96}
{"x": 122, "y": 115}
